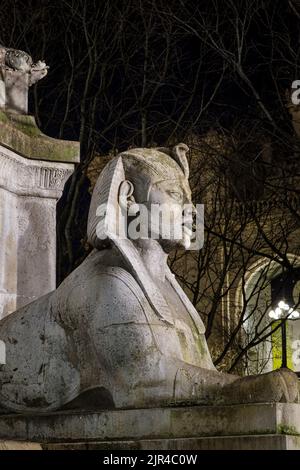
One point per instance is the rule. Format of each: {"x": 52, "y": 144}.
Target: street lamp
{"x": 284, "y": 312}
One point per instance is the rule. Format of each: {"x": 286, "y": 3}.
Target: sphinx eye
{"x": 176, "y": 195}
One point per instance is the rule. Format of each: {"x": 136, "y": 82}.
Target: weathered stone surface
{"x": 259, "y": 442}
{"x": 19, "y": 445}
{"x": 197, "y": 427}
{"x": 17, "y": 74}
{"x": 16, "y": 91}
{"x": 29, "y": 190}
{"x": 20, "y": 133}
{"x": 33, "y": 171}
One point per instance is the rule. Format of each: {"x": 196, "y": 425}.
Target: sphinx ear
{"x": 126, "y": 198}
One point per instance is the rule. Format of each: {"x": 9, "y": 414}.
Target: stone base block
{"x": 253, "y": 426}
{"x": 18, "y": 445}
{"x": 259, "y": 442}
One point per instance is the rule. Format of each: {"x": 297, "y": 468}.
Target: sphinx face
{"x": 169, "y": 212}
{"x": 143, "y": 194}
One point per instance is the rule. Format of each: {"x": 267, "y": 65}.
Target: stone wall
{"x": 29, "y": 190}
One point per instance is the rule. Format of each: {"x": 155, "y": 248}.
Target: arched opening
{"x": 270, "y": 296}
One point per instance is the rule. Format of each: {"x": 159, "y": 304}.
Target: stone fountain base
{"x": 249, "y": 427}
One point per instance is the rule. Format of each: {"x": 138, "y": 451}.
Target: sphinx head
{"x": 143, "y": 193}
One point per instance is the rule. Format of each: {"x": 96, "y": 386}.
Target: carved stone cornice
{"x": 26, "y": 177}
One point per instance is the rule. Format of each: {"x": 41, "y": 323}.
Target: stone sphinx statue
{"x": 119, "y": 332}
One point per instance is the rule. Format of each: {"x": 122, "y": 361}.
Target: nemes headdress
{"x": 156, "y": 164}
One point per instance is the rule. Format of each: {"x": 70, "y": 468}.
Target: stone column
{"x": 33, "y": 172}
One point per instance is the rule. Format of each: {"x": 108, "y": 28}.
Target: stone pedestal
{"x": 33, "y": 172}
{"x": 255, "y": 426}
{"x": 14, "y": 94}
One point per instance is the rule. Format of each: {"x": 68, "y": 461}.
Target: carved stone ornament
{"x": 17, "y": 74}
{"x": 44, "y": 179}
{"x": 20, "y": 61}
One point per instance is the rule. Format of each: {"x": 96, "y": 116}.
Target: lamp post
{"x": 283, "y": 344}
{"x": 284, "y": 312}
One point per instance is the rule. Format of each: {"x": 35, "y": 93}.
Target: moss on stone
{"x": 21, "y": 134}
{"x": 28, "y": 127}
{"x": 3, "y": 117}
{"x": 289, "y": 430}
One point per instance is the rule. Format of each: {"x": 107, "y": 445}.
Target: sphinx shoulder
{"x": 120, "y": 280}
{"x": 103, "y": 288}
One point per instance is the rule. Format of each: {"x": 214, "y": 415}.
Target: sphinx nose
{"x": 189, "y": 214}
{"x": 190, "y": 210}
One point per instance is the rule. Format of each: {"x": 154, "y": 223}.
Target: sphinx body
{"x": 96, "y": 332}
{"x": 117, "y": 332}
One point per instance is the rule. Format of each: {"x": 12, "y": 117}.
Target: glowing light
{"x": 294, "y": 315}
{"x": 283, "y": 310}
{"x": 283, "y": 305}
{"x": 278, "y": 312}
{"x": 273, "y": 315}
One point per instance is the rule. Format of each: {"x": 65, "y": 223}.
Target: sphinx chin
{"x": 186, "y": 242}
